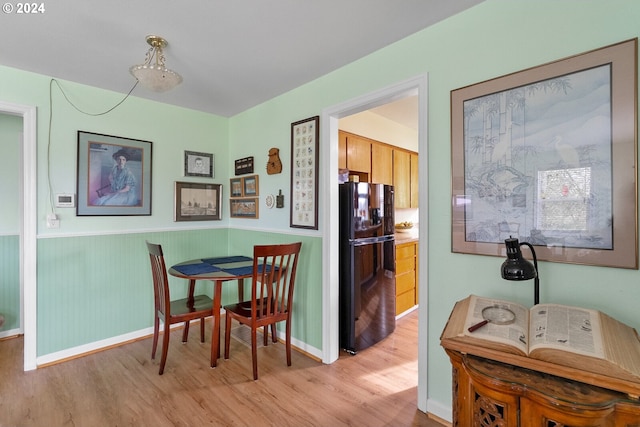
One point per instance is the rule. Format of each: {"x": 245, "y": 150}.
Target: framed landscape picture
{"x": 197, "y": 201}
{"x": 246, "y": 207}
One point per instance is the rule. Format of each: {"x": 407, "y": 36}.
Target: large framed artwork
{"x": 113, "y": 175}
{"x": 195, "y": 201}
{"x": 548, "y": 155}
{"x": 304, "y": 173}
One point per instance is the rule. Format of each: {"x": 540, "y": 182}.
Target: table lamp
{"x": 516, "y": 267}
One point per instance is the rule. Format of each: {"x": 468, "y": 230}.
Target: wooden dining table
{"x": 218, "y": 270}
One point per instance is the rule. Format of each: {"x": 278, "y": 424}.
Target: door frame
{"x": 28, "y": 229}
{"x": 330, "y": 226}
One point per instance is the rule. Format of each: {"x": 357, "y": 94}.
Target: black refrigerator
{"x": 367, "y": 265}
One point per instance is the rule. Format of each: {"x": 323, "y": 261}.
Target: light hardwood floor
{"x": 121, "y": 387}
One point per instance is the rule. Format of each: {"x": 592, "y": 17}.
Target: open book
{"x": 561, "y": 334}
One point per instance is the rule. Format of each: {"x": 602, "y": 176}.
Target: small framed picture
{"x": 198, "y": 201}
{"x": 250, "y": 186}
{"x": 198, "y": 164}
{"x": 244, "y": 207}
{"x": 236, "y": 187}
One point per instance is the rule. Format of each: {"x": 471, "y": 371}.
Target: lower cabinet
{"x": 487, "y": 393}
{"x": 406, "y": 276}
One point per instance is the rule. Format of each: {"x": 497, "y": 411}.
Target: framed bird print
{"x": 547, "y": 155}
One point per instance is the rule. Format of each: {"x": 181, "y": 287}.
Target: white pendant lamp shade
{"x": 154, "y": 75}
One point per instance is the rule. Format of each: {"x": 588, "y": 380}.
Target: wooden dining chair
{"x": 176, "y": 311}
{"x": 274, "y": 275}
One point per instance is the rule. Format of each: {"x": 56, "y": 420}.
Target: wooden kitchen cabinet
{"x": 414, "y": 203}
{"x": 488, "y": 393}
{"x": 402, "y": 178}
{"x": 381, "y": 163}
{"x": 342, "y": 150}
{"x": 375, "y": 161}
{"x": 406, "y": 276}
{"x": 358, "y": 154}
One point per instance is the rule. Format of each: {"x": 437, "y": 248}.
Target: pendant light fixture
{"x": 153, "y": 74}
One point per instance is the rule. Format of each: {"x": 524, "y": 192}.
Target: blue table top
{"x": 216, "y": 268}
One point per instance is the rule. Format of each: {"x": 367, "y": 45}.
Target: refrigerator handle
{"x": 371, "y": 240}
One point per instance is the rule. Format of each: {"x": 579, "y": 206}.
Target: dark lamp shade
{"x": 518, "y": 269}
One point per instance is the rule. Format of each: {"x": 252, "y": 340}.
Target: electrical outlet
{"x": 53, "y": 221}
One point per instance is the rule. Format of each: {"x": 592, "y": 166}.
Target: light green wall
{"x": 93, "y": 274}
{"x": 10, "y": 137}
{"x": 489, "y": 40}
{"x": 10, "y": 282}
{"x": 171, "y": 130}
{"x": 96, "y": 287}
{"x": 308, "y": 289}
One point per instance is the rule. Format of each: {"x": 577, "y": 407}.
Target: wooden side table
{"x": 488, "y": 393}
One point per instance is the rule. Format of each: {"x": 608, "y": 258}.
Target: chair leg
{"x": 265, "y": 335}
{"x": 274, "y": 336}
{"x": 156, "y": 328}
{"x": 254, "y": 352}
{"x": 288, "y": 341}
{"x": 227, "y": 334}
{"x": 202, "y": 329}
{"x": 185, "y": 332}
{"x": 165, "y": 347}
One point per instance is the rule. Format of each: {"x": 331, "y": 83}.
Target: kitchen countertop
{"x": 408, "y": 236}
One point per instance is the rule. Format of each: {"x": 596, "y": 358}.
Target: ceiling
{"x": 232, "y": 54}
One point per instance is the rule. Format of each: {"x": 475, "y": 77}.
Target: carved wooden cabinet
{"x": 488, "y": 393}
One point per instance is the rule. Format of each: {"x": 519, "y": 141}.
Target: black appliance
{"x": 367, "y": 264}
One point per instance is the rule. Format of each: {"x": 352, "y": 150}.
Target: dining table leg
{"x": 240, "y": 290}
{"x": 215, "y": 335}
{"x": 190, "y": 301}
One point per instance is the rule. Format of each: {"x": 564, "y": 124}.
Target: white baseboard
{"x": 439, "y": 410}
{"x": 11, "y": 333}
{"x": 84, "y": 349}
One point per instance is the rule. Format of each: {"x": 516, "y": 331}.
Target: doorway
{"x": 28, "y": 228}
{"x": 329, "y": 196}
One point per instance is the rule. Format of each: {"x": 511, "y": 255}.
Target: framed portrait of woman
{"x": 114, "y": 175}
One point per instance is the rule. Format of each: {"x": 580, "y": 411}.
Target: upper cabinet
{"x": 414, "y": 180}
{"x": 342, "y": 150}
{"x": 358, "y": 154}
{"x": 402, "y": 178}
{"x": 381, "y": 163}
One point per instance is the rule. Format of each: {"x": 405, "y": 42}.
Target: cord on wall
{"x": 51, "y": 82}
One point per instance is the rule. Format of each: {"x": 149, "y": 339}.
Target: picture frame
{"x": 244, "y": 207}
{"x": 236, "y": 187}
{"x": 199, "y": 164}
{"x": 250, "y": 186}
{"x": 197, "y": 201}
{"x": 305, "y": 136}
{"x": 113, "y": 175}
{"x": 244, "y": 166}
{"x": 548, "y": 155}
